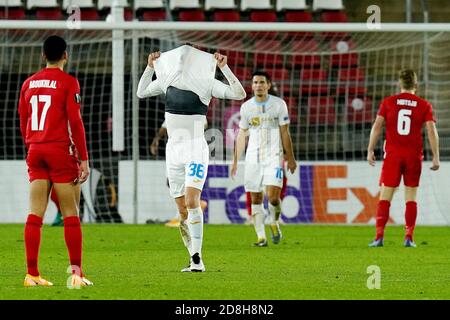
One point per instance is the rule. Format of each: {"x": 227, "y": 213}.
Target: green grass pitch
{"x": 312, "y": 262}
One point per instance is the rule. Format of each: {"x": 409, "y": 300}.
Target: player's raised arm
{"x": 374, "y": 136}
{"x": 433, "y": 138}
{"x": 234, "y": 90}
{"x": 147, "y": 87}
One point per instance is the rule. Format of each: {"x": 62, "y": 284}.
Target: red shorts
{"x": 56, "y": 167}
{"x": 395, "y": 166}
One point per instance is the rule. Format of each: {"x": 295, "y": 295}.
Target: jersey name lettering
{"x": 43, "y": 84}
{"x": 406, "y": 102}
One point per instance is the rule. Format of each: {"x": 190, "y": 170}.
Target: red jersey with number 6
{"x": 405, "y": 115}
{"x": 50, "y": 118}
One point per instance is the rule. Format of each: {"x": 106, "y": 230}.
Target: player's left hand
{"x": 371, "y": 158}
{"x": 292, "y": 165}
{"x": 221, "y": 59}
{"x": 435, "y": 165}
{"x": 84, "y": 172}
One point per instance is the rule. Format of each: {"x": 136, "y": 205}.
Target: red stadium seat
{"x": 314, "y": 82}
{"x": 267, "y": 53}
{"x": 263, "y": 16}
{"x": 305, "y": 60}
{"x": 334, "y": 16}
{"x": 293, "y": 106}
{"x": 337, "y": 17}
{"x": 359, "y": 110}
{"x": 153, "y": 15}
{"x": 242, "y": 73}
{"x": 226, "y": 16}
{"x": 191, "y": 15}
{"x": 297, "y": 16}
{"x": 321, "y": 111}
{"x": 343, "y": 58}
{"x": 49, "y": 14}
{"x": 89, "y": 14}
{"x": 278, "y": 74}
{"x": 12, "y": 13}
{"x": 351, "y": 81}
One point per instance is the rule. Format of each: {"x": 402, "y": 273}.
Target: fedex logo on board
{"x": 312, "y": 195}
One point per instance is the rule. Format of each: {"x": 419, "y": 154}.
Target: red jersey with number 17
{"x": 49, "y": 108}
{"x": 405, "y": 114}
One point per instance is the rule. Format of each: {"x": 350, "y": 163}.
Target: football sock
{"x": 195, "y": 226}
{"x": 275, "y": 212}
{"x": 185, "y": 236}
{"x": 73, "y": 237}
{"x": 410, "y": 218}
{"x": 32, "y": 236}
{"x": 248, "y": 203}
{"x": 382, "y": 217}
{"x": 258, "y": 220}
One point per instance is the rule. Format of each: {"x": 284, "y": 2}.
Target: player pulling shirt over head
{"x": 186, "y": 76}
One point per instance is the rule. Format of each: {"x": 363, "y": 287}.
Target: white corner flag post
{"x": 117, "y": 77}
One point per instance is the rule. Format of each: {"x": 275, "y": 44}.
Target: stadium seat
{"x": 267, "y": 53}
{"x": 12, "y": 9}
{"x": 321, "y": 111}
{"x": 46, "y": 9}
{"x": 191, "y": 15}
{"x": 332, "y": 16}
{"x": 150, "y": 10}
{"x": 327, "y": 5}
{"x": 226, "y": 16}
{"x": 293, "y": 106}
{"x": 278, "y": 74}
{"x": 343, "y": 58}
{"x": 351, "y": 81}
{"x": 305, "y": 60}
{"x": 184, "y": 4}
{"x": 313, "y": 82}
{"x": 263, "y": 16}
{"x": 242, "y": 73}
{"x": 359, "y": 110}
{"x": 297, "y": 16}
{"x": 255, "y": 4}
{"x": 220, "y": 4}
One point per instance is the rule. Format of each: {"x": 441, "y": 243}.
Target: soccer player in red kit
{"x": 51, "y": 126}
{"x": 404, "y": 116}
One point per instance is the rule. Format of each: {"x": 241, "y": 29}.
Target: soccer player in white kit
{"x": 265, "y": 118}
{"x": 186, "y": 76}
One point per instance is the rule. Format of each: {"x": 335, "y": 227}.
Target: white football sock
{"x": 195, "y": 225}
{"x": 185, "y": 235}
{"x": 258, "y": 220}
{"x": 275, "y": 212}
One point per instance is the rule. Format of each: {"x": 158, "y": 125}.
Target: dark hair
{"x": 262, "y": 74}
{"x": 408, "y": 79}
{"x": 54, "y": 48}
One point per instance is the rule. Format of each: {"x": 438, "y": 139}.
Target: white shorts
{"x": 186, "y": 164}
{"x": 259, "y": 175}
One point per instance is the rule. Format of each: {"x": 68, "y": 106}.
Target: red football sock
{"x": 410, "y": 218}
{"x": 73, "y": 237}
{"x": 248, "y": 203}
{"x": 382, "y": 217}
{"x": 32, "y": 234}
